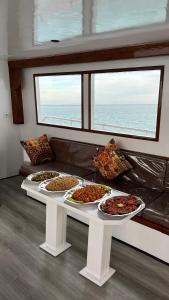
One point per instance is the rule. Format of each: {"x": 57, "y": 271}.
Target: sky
{"x": 136, "y": 87}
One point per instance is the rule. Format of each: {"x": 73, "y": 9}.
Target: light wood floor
{"x": 26, "y": 272}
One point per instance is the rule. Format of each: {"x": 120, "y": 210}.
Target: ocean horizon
{"x": 139, "y": 118}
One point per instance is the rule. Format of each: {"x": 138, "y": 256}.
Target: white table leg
{"x": 98, "y": 253}
{"x": 56, "y": 219}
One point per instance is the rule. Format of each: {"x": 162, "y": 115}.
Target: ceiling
{"x": 82, "y": 25}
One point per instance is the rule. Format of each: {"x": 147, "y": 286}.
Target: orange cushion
{"x": 110, "y": 162}
{"x": 38, "y": 149}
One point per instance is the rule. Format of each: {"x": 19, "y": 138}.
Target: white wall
{"x": 10, "y": 150}
{"x": 30, "y": 129}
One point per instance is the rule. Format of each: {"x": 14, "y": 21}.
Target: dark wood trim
{"x": 60, "y": 73}
{"x": 126, "y": 69}
{"x": 159, "y": 103}
{"x": 130, "y": 136}
{"x": 62, "y": 127}
{"x": 16, "y": 95}
{"x": 156, "y": 139}
{"x": 36, "y": 108}
{"x": 99, "y": 132}
{"x": 89, "y": 102}
{"x": 151, "y": 224}
{"x": 82, "y": 99}
{"x": 127, "y": 52}
{"x": 161, "y": 68}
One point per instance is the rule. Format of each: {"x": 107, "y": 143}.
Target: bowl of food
{"x": 121, "y": 206}
{"x": 63, "y": 183}
{"x": 87, "y": 194}
{"x": 38, "y": 177}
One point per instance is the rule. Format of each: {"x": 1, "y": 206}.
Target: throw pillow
{"x": 110, "y": 162}
{"x": 38, "y": 149}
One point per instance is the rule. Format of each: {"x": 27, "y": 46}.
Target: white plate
{"x": 139, "y": 208}
{"x": 42, "y": 185}
{"x": 70, "y": 193}
{"x": 29, "y": 177}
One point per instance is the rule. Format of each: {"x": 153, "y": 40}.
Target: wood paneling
{"x": 150, "y": 224}
{"x": 128, "y": 52}
{"x": 134, "y": 51}
{"x": 16, "y": 95}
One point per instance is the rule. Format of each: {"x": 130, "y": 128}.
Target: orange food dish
{"x": 89, "y": 193}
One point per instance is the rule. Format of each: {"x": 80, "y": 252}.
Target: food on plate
{"x": 62, "y": 183}
{"x": 44, "y": 176}
{"x": 120, "y": 205}
{"x": 89, "y": 193}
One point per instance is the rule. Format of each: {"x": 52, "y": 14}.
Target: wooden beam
{"x": 128, "y": 52}
{"x": 16, "y": 95}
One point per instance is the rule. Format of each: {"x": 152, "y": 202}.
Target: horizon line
{"x": 99, "y": 104}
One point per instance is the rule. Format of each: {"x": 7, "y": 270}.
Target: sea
{"x": 137, "y": 119}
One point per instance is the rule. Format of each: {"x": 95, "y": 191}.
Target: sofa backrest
{"x": 74, "y": 153}
{"x": 148, "y": 170}
{"x": 166, "y": 183}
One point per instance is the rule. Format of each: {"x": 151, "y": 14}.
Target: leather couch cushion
{"x": 27, "y": 168}
{"x": 75, "y": 153}
{"x": 147, "y": 171}
{"x": 166, "y": 183}
{"x": 158, "y": 211}
{"x": 148, "y": 195}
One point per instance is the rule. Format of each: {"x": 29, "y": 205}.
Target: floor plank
{"x": 28, "y": 273}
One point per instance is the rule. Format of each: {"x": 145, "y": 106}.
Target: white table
{"x": 98, "y": 267}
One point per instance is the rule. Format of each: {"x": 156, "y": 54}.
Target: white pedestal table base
{"x": 56, "y": 220}
{"x": 98, "y": 254}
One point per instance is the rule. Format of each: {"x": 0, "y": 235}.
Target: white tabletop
{"x": 89, "y": 211}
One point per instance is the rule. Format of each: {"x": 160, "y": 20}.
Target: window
{"x": 112, "y": 15}
{"x": 59, "y": 99}
{"x": 127, "y": 102}
{"x": 57, "y": 20}
{"x": 122, "y": 102}
{"x": 67, "y": 19}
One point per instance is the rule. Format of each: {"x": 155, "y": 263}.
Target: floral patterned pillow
{"x": 38, "y": 149}
{"x": 110, "y": 162}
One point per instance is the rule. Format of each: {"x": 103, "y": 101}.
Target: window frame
{"x": 158, "y": 121}
{"x": 89, "y": 112}
{"x": 82, "y": 99}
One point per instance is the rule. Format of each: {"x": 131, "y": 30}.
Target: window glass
{"x": 112, "y": 15}
{"x": 125, "y": 102}
{"x": 59, "y": 100}
{"x": 57, "y": 20}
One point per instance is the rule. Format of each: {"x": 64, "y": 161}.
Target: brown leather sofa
{"x": 148, "y": 179}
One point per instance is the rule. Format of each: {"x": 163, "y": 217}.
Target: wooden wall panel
{"x": 16, "y": 95}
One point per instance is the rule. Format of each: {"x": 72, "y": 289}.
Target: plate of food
{"x": 63, "y": 183}
{"x": 121, "y": 206}
{"x": 87, "y": 194}
{"x": 38, "y": 177}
